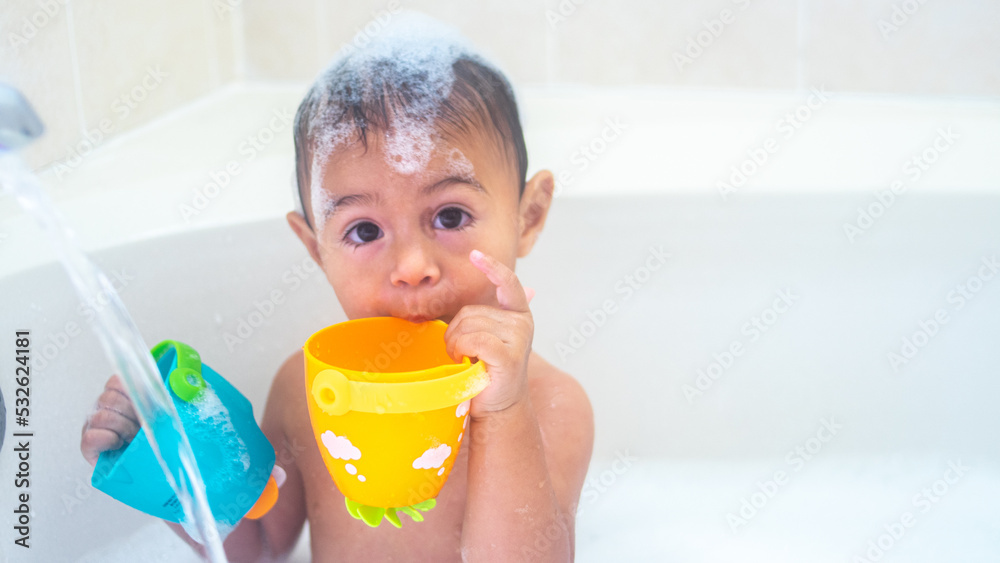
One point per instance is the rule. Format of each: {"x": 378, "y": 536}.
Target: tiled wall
{"x": 921, "y": 46}
{"x": 127, "y": 61}
{"x": 95, "y": 68}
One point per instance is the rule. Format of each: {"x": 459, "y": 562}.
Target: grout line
{"x": 237, "y": 22}
{"x": 75, "y": 63}
{"x": 213, "y": 45}
{"x": 625, "y": 94}
{"x": 801, "y": 24}
{"x": 551, "y": 49}
{"x": 321, "y": 34}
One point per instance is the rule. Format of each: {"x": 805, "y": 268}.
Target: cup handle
{"x": 332, "y": 392}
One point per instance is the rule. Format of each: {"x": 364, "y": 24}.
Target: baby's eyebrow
{"x": 450, "y": 180}
{"x": 356, "y": 199}
{"x": 374, "y": 199}
{"x": 348, "y": 200}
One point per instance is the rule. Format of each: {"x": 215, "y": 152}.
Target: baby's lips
{"x": 529, "y": 292}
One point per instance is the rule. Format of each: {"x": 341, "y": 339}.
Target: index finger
{"x": 510, "y": 294}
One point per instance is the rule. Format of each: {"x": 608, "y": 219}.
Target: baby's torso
{"x": 337, "y": 536}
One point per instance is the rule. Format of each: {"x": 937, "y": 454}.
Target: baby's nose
{"x": 414, "y": 265}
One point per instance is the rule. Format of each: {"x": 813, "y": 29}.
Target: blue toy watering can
{"x": 234, "y": 457}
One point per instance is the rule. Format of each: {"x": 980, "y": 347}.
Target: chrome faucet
{"x": 19, "y": 124}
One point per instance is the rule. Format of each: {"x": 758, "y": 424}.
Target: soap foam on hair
{"x": 414, "y": 54}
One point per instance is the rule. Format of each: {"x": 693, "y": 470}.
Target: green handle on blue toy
{"x": 185, "y": 380}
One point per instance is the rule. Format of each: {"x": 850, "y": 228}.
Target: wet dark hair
{"x": 481, "y": 99}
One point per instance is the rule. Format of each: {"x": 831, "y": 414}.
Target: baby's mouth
{"x": 420, "y": 314}
{"x": 446, "y": 317}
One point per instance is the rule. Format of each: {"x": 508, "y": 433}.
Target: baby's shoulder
{"x": 289, "y": 380}
{"x": 287, "y": 389}
{"x": 566, "y": 422}
{"x": 556, "y": 391}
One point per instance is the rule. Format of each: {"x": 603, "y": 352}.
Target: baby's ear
{"x": 298, "y": 224}
{"x": 534, "y": 208}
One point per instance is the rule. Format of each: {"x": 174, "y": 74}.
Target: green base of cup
{"x": 372, "y": 515}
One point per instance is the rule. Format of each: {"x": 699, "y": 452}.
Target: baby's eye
{"x": 363, "y": 232}
{"x": 452, "y": 218}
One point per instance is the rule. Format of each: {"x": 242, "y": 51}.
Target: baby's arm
{"x": 526, "y": 466}
{"x": 526, "y": 470}
{"x": 273, "y": 536}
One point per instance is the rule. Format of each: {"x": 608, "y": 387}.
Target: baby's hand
{"x": 112, "y": 424}
{"x": 499, "y": 337}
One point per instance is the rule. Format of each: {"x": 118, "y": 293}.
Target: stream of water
{"x": 128, "y": 353}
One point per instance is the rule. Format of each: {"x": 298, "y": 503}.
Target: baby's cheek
{"x": 350, "y": 295}
{"x": 475, "y": 288}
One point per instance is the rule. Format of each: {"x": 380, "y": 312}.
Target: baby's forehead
{"x": 466, "y": 155}
{"x": 408, "y": 152}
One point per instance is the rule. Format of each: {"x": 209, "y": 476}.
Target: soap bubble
{"x": 406, "y": 72}
{"x": 208, "y": 420}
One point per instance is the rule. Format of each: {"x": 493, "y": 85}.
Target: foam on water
{"x": 129, "y": 354}
{"x": 208, "y": 420}
{"x": 213, "y": 420}
{"x": 413, "y": 54}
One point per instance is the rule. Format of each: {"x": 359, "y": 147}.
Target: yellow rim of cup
{"x": 338, "y": 391}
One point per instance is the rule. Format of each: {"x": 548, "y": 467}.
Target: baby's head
{"x": 409, "y": 155}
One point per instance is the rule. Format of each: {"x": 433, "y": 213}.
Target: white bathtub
{"x": 669, "y": 476}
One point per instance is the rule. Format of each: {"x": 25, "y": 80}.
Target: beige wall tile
{"x": 36, "y": 60}
{"x": 140, "y": 58}
{"x": 225, "y": 23}
{"x": 281, "y": 38}
{"x": 198, "y": 45}
{"x": 511, "y": 34}
{"x": 941, "y": 48}
{"x": 634, "y": 42}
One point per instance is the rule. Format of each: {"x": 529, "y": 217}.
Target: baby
{"x": 411, "y": 169}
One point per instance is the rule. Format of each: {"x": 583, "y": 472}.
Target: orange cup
{"x": 389, "y": 409}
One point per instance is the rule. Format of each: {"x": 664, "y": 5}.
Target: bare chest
{"x": 337, "y": 536}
